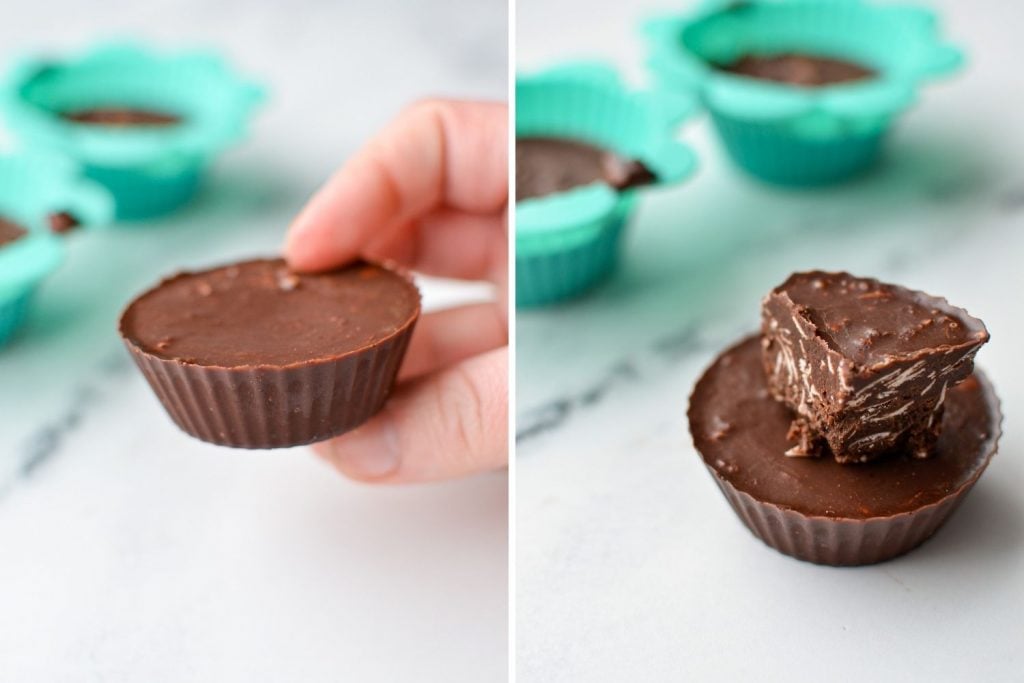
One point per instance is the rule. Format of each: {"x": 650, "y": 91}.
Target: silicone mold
{"x": 31, "y": 188}
{"x": 150, "y": 170}
{"x": 569, "y": 241}
{"x": 796, "y": 135}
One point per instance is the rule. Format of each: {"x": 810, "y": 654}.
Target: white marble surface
{"x": 130, "y": 552}
{"x": 630, "y": 564}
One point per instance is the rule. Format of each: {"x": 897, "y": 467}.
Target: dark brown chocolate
{"x": 865, "y": 366}
{"x": 261, "y": 313}
{"x": 62, "y": 222}
{"x": 121, "y": 117}
{"x": 817, "y": 509}
{"x": 549, "y": 165}
{"x": 10, "y": 232}
{"x": 253, "y": 355}
{"x": 799, "y": 69}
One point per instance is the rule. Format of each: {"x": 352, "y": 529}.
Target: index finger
{"x": 439, "y": 154}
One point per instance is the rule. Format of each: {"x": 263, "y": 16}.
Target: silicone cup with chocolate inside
{"x": 72, "y": 106}
{"x": 27, "y": 257}
{"x": 819, "y": 510}
{"x": 865, "y": 366}
{"x": 252, "y": 355}
{"x": 792, "y": 134}
{"x": 34, "y": 186}
{"x": 567, "y": 242}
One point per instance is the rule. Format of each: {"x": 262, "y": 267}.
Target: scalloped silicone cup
{"x": 13, "y": 311}
{"x": 33, "y": 186}
{"x": 791, "y": 135}
{"x": 149, "y": 170}
{"x": 24, "y": 264}
{"x": 568, "y": 242}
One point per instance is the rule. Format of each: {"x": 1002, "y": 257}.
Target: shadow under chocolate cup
{"x": 252, "y": 355}
{"x": 819, "y": 510}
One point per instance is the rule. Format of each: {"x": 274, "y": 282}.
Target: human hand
{"x": 430, "y": 192}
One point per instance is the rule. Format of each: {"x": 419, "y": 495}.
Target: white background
{"x": 130, "y": 552}
{"x": 631, "y": 566}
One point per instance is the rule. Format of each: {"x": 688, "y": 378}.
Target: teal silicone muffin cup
{"x": 32, "y": 187}
{"x": 568, "y": 242}
{"x": 150, "y": 170}
{"x": 801, "y": 136}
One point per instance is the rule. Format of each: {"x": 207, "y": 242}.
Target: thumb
{"x": 448, "y": 424}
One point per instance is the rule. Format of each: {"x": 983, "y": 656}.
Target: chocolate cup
{"x": 267, "y": 406}
{"x": 851, "y": 541}
{"x": 836, "y": 541}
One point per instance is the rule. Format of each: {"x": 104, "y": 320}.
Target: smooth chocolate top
{"x": 548, "y": 165}
{"x": 740, "y": 431}
{"x": 121, "y": 116}
{"x": 260, "y": 313}
{"x": 798, "y": 69}
{"x": 870, "y": 322}
{"x": 9, "y": 232}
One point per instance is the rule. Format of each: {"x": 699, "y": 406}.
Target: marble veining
{"x": 1012, "y": 200}
{"x": 54, "y": 431}
{"x": 673, "y": 348}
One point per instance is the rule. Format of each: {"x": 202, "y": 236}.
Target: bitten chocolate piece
{"x": 799, "y": 69}
{"x": 121, "y": 117}
{"x": 865, "y": 366}
{"x": 548, "y": 165}
{"x": 10, "y": 232}
{"x": 253, "y": 355}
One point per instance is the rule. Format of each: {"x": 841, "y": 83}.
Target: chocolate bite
{"x": 798, "y": 69}
{"x": 817, "y": 509}
{"x": 121, "y": 117}
{"x": 865, "y": 366}
{"x": 549, "y": 165}
{"x": 253, "y": 355}
{"x": 10, "y": 232}
{"x": 62, "y": 222}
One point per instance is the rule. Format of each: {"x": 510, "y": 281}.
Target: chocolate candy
{"x": 548, "y": 165}
{"x": 10, "y": 231}
{"x": 817, "y": 509}
{"x": 121, "y": 117}
{"x": 253, "y": 355}
{"x": 865, "y": 366}
{"x": 62, "y": 222}
{"x": 799, "y": 69}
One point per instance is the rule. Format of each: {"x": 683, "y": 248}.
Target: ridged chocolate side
{"x": 840, "y": 542}
{"x": 276, "y": 407}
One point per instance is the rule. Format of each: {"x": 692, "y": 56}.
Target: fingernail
{"x": 369, "y": 452}
{"x": 294, "y": 243}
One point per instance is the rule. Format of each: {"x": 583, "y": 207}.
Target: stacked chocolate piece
{"x": 865, "y": 366}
